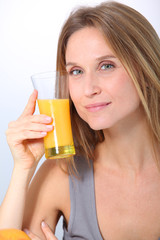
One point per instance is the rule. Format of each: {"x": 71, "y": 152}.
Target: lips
{"x": 97, "y": 106}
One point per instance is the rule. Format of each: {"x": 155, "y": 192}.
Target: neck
{"x": 127, "y": 145}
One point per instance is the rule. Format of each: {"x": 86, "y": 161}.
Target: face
{"x": 99, "y": 86}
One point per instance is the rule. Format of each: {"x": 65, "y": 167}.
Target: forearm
{"x": 25, "y": 139}
{"x": 12, "y": 208}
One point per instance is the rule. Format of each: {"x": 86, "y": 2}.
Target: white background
{"x": 29, "y": 32}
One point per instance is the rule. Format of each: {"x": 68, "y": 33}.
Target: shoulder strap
{"x": 83, "y": 220}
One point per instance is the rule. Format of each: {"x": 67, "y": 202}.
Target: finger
{"x": 39, "y": 119}
{"x": 31, "y": 235}
{"x": 47, "y": 231}
{"x": 30, "y": 107}
{"x": 15, "y": 138}
{"x": 24, "y": 128}
{"x": 35, "y": 127}
{"x": 26, "y": 135}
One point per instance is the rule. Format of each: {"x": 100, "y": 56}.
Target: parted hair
{"x": 135, "y": 43}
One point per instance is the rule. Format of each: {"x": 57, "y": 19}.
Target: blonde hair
{"x": 135, "y": 43}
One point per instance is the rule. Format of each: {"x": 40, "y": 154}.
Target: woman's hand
{"x": 25, "y": 135}
{"x": 46, "y": 230}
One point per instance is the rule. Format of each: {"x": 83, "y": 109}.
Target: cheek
{"x": 123, "y": 87}
{"x": 74, "y": 94}
{"x": 124, "y": 94}
{"x": 127, "y": 95}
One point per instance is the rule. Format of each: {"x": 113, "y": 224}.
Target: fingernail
{"x": 26, "y": 231}
{"x": 43, "y": 224}
{"x": 44, "y": 133}
{"x": 49, "y": 119}
{"x": 49, "y": 126}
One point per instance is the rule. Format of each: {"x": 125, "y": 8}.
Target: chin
{"x": 98, "y": 126}
{"x": 98, "y": 123}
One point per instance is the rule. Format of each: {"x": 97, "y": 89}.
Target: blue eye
{"x": 76, "y": 72}
{"x": 107, "y": 66}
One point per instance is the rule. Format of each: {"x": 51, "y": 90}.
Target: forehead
{"x": 88, "y": 41}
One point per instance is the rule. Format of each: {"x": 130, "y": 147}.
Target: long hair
{"x": 135, "y": 43}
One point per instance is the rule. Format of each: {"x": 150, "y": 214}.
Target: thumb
{"x": 30, "y": 107}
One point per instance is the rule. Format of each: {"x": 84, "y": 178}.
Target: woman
{"x": 112, "y": 58}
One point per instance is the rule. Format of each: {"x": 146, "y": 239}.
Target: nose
{"x": 91, "y": 85}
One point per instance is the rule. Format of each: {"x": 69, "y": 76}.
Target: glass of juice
{"x": 59, "y": 142}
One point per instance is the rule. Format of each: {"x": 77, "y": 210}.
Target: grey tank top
{"x": 83, "y": 222}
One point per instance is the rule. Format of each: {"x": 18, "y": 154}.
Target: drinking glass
{"x": 59, "y": 142}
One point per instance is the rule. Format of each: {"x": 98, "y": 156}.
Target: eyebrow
{"x": 105, "y": 57}
{"x": 98, "y": 59}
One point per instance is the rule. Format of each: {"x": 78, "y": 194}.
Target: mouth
{"x": 97, "y": 106}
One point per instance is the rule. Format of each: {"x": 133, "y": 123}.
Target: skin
{"x": 25, "y": 138}
{"x": 127, "y": 181}
{"x": 45, "y": 229}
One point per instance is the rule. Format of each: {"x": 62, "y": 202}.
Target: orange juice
{"x": 59, "y": 142}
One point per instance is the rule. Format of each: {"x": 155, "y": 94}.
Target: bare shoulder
{"x": 48, "y": 196}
